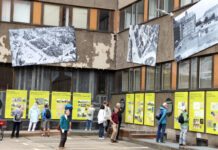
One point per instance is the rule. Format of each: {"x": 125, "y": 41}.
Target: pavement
{"x": 73, "y": 143}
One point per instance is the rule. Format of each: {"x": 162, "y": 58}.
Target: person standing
{"x": 70, "y": 108}
{"x": 64, "y": 127}
{"x": 162, "y": 123}
{"x": 18, "y": 113}
{"x": 34, "y": 117}
{"x": 107, "y": 115}
{"x": 120, "y": 111}
{"x": 184, "y": 127}
{"x": 101, "y": 120}
{"x": 90, "y": 116}
{"x": 46, "y": 116}
{"x": 114, "y": 120}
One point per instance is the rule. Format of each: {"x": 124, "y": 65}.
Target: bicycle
{"x": 2, "y": 123}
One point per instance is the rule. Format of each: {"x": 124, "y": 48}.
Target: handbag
{"x": 58, "y": 127}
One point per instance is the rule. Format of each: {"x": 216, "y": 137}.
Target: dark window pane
{"x": 122, "y": 16}
{"x": 101, "y": 83}
{"x": 6, "y": 77}
{"x": 157, "y": 77}
{"x": 140, "y": 12}
{"x": 61, "y": 81}
{"x": 104, "y": 20}
{"x": 83, "y": 84}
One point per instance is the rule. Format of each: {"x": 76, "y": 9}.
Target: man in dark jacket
{"x": 162, "y": 122}
{"x": 120, "y": 111}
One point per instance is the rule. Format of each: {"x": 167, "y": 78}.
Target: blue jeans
{"x": 88, "y": 124}
{"x": 183, "y": 132}
{"x": 101, "y": 130}
{"x": 159, "y": 132}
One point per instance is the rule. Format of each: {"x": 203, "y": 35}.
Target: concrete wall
{"x": 95, "y": 49}
{"x": 104, "y": 4}
{"x": 124, "y": 3}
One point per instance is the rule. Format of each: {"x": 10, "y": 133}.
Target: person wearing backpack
{"x": 46, "y": 116}
{"x": 18, "y": 113}
{"x": 183, "y": 120}
{"x": 162, "y": 122}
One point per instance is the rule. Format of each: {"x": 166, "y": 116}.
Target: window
{"x": 122, "y": 19}
{"x": 157, "y": 76}
{"x": 6, "y": 10}
{"x": 51, "y": 15}
{"x": 128, "y": 12}
{"x": 80, "y": 17}
{"x": 205, "y": 72}
{"x": 104, "y": 20}
{"x": 101, "y": 83}
{"x": 137, "y": 79}
{"x": 22, "y": 10}
{"x": 152, "y": 9}
{"x": 150, "y": 78}
{"x": 131, "y": 74}
{"x": 140, "y": 12}
{"x": 194, "y": 66}
{"x": 185, "y": 2}
{"x": 61, "y": 81}
{"x": 125, "y": 76}
{"x": 133, "y": 14}
{"x": 183, "y": 81}
{"x": 168, "y": 5}
{"x": 166, "y": 76}
{"x": 6, "y": 77}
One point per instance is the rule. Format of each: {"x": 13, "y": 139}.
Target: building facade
{"x": 102, "y": 32}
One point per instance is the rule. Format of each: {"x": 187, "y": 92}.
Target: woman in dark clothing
{"x": 120, "y": 111}
{"x": 64, "y": 127}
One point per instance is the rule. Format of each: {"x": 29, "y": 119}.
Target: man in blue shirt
{"x": 46, "y": 116}
{"x": 70, "y": 108}
{"x": 162, "y": 122}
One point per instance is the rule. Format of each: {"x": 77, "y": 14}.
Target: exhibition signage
{"x": 149, "y": 109}
{"x": 13, "y": 99}
{"x": 139, "y": 107}
{"x": 81, "y": 103}
{"x": 40, "y": 98}
{"x": 181, "y": 101}
{"x": 58, "y": 102}
{"x": 196, "y": 111}
{"x": 129, "y": 108}
{"x": 212, "y": 112}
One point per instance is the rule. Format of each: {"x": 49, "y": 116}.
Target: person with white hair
{"x": 34, "y": 117}
{"x": 183, "y": 120}
{"x": 18, "y": 113}
{"x": 162, "y": 122}
{"x": 120, "y": 111}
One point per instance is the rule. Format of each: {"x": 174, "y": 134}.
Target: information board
{"x": 139, "y": 108}
{"x": 212, "y": 112}
{"x": 40, "y": 98}
{"x": 181, "y": 101}
{"x": 196, "y": 111}
{"x": 149, "y": 109}
{"x": 129, "y": 112}
{"x": 13, "y": 99}
{"x": 81, "y": 103}
{"x": 58, "y": 102}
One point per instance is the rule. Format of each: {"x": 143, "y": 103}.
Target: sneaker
{"x": 43, "y": 135}
{"x": 48, "y": 135}
{"x": 85, "y": 129}
{"x": 90, "y": 129}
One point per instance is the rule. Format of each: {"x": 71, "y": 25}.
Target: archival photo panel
{"x": 42, "y": 45}
{"x": 196, "y": 29}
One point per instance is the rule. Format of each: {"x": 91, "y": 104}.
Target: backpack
{"x": 158, "y": 114}
{"x": 181, "y": 119}
{"x": 17, "y": 117}
{"x": 47, "y": 113}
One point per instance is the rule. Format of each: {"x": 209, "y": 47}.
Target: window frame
{"x": 109, "y": 20}
{"x": 134, "y": 79}
{"x": 189, "y": 76}
{"x": 192, "y": 2}
{"x": 146, "y": 89}
{"x": 88, "y": 18}
{"x": 161, "y": 77}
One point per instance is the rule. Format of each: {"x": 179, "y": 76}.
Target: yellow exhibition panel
{"x": 149, "y": 109}
{"x": 58, "y": 102}
{"x": 129, "y": 108}
{"x": 181, "y": 100}
{"x": 139, "y": 108}
{"x": 212, "y": 112}
{"x": 13, "y": 99}
{"x": 196, "y": 111}
{"x": 40, "y": 98}
{"x": 81, "y": 103}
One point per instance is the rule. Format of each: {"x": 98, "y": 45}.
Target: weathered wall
{"x": 105, "y": 4}
{"x": 165, "y": 50}
{"x": 123, "y": 3}
{"x": 95, "y": 49}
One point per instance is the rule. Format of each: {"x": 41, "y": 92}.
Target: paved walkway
{"x": 73, "y": 143}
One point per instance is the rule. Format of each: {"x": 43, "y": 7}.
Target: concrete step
{"x": 143, "y": 136}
